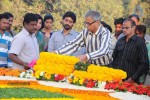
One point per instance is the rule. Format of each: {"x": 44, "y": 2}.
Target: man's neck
{"x": 117, "y": 35}
{"x": 65, "y": 32}
{"x": 95, "y": 30}
{"x": 1, "y": 32}
{"x": 8, "y": 30}
{"x": 129, "y": 36}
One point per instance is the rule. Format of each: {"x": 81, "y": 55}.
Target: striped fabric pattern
{"x": 5, "y": 43}
{"x": 97, "y": 46}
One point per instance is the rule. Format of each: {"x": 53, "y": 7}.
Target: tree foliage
{"x": 110, "y": 9}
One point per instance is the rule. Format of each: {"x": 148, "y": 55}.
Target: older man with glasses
{"x": 94, "y": 37}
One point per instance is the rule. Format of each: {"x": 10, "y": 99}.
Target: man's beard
{"x": 67, "y": 27}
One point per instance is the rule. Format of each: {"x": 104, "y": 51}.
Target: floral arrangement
{"x": 54, "y": 67}
{"x": 95, "y": 76}
{"x": 41, "y": 75}
{"x": 80, "y": 94}
{"x": 130, "y": 87}
{"x": 9, "y": 72}
{"x": 27, "y": 74}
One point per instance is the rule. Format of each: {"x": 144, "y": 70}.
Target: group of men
{"x": 92, "y": 45}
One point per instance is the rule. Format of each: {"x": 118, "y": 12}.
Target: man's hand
{"x": 53, "y": 52}
{"x": 82, "y": 58}
{"x": 25, "y": 65}
{"x": 129, "y": 80}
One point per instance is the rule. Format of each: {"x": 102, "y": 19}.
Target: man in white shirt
{"x": 24, "y": 47}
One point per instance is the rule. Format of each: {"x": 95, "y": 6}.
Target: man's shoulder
{"x": 74, "y": 32}
{"x": 57, "y": 31}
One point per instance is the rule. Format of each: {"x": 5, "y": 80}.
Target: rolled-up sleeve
{"x": 72, "y": 46}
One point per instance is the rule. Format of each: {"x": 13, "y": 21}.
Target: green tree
{"x": 110, "y": 9}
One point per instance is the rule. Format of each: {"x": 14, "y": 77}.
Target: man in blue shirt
{"x": 65, "y": 35}
{"x": 5, "y": 42}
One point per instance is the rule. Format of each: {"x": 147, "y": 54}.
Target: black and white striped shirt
{"x": 97, "y": 45}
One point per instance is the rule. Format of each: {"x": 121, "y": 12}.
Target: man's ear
{"x": 61, "y": 21}
{"x": 24, "y": 24}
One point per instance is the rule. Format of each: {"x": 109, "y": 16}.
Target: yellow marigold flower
{"x": 81, "y": 81}
{"x": 75, "y": 79}
{"x": 47, "y": 76}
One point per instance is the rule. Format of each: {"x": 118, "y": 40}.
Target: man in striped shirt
{"x": 130, "y": 53}
{"x": 94, "y": 37}
{"x": 5, "y": 42}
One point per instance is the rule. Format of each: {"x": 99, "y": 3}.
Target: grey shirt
{"x": 58, "y": 39}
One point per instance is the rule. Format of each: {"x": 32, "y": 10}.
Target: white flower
{"x": 42, "y": 73}
{"x": 22, "y": 74}
{"x": 28, "y": 75}
{"x": 30, "y": 71}
{"x": 101, "y": 84}
{"x": 64, "y": 80}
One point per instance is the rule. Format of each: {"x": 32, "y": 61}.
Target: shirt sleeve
{"x": 143, "y": 60}
{"x": 17, "y": 45}
{"x": 72, "y": 46}
{"x": 51, "y": 44}
{"x": 9, "y": 62}
{"x": 104, "y": 48}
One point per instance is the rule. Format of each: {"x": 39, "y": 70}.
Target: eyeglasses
{"x": 126, "y": 28}
{"x": 88, "y": 23}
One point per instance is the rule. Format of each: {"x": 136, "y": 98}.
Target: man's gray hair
{"x": 93, "y": 14}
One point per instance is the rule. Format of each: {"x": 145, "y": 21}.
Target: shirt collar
{"x": 71, "y": 32}
{"x": 5, "y": 33}
{"x": 132, "y": 38}
{"x": 27, "y": 33}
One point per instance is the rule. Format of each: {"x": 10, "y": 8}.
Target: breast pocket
{"x": 58, "y": 43}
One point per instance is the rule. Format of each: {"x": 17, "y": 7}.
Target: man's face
{"x": 4, "y": 24}
{"x": 67, "y": 23}
{"x": 127, "y": 28}
{"x": 31, "y": 27}
{"x": 118, "y": 28}
{"x": 10, "y": 22}
{"x": 91, "y": 24}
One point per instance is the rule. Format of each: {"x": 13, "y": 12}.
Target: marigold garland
{"x": 79, "y": 94}
{"x": 9, "y": 72}
{"x": 50, "y": 63}
{"x": 100, "y": 73}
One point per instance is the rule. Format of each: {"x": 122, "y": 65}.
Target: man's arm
{"x": 51, "y": 44}
{"x": 15, "y": 59}
{"x": 143, "y": 62}
{"x": 9, "y": 62}
{"x": 17, "y": 45}
{"x": 72, "y": 46}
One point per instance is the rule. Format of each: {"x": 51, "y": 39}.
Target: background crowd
{"x": 126, "y": 48}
